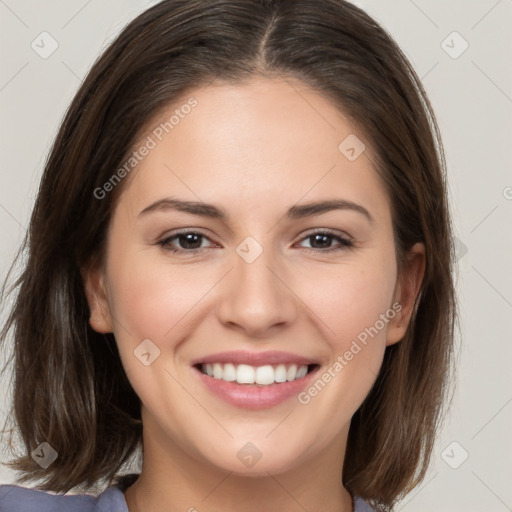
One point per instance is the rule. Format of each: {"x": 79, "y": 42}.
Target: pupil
{"x": 320, "y": 238}
{"x": 189, "y": 240}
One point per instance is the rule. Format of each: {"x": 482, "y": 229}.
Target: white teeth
{"x": 291, "y": 373}
{"x": 217, "y": 371}
{"x": 229, "y": 372}
{"x": 301, "y": 372}
{"x": 245, "y": 374}
{"x": 261, "y": 375}
{"x": 280, "y": 373}
{"x": 265, "y": 375}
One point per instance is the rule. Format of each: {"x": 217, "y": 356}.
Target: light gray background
{"x": 472, "y": 97}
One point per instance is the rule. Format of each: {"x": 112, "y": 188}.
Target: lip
{"x": 271, "y": 357}
{"x": 253, "y": 396}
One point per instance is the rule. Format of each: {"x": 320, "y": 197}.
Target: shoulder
{"x": 14, "y": 498}
{"x": 361, "y": 506}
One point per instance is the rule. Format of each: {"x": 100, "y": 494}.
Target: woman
{"x": 295, "y": 356}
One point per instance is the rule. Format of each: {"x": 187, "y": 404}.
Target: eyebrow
{"x": 294, "y": 212}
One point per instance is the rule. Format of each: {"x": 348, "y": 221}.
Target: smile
{"x": 255, "y": 380}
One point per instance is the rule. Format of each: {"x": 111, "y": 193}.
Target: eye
{"x": 321, "y": 241}
{"x": 188, "y": 242}
{"x": 191, "y": 242}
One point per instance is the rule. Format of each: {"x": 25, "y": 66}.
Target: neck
{"x": 173, "y": 481}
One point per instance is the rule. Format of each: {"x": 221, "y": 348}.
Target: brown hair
{"x": 70, "y": 388}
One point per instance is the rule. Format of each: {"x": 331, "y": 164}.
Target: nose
{"x": 257, "y": 298}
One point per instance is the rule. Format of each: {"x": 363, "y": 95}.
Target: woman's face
{"x": 251, "y": 295}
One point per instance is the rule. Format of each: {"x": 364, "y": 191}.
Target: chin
{"x": 257, "y": 458}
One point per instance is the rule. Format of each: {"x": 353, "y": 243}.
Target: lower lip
{"x": 254, "y": 397}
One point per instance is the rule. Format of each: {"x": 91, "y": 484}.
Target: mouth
{"x": 250, "y": 380}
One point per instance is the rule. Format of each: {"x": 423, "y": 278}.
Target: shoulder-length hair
{"x": 70, "y": 389}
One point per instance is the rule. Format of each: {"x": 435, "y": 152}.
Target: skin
{"x": 254, "y": 149}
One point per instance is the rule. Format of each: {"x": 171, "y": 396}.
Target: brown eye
{"x": 323, "y": 240}
{"x": 184, "y": 241}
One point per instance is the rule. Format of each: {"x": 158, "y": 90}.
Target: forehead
{"x": 265, "y": 140}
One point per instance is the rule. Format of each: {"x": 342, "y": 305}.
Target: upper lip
{"x": 254, "y": 358}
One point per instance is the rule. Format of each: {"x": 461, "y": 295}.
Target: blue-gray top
{"x": 14, "y": 498}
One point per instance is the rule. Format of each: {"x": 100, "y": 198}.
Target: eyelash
{"x": 345, "y": 243}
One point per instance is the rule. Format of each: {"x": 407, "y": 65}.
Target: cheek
{"x": 350, "y": 298}
{"x": 354, "y": 305}
{"x": 149, "y": 298}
